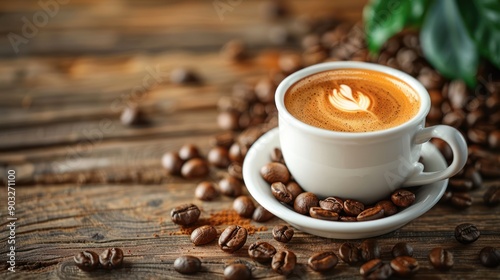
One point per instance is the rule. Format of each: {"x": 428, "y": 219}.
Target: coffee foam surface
{"x": 352, "y": 100}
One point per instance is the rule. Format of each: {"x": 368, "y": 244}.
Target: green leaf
{"x": 446, "y": 43}
{"x": 383, "y": 19}
{"x": 417, "y": 13}
{"x": 482, "y": 20}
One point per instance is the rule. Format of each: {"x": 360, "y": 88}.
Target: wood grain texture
{"x": 85, "y": 181}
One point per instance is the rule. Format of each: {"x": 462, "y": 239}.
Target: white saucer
{"x": 426, "y": 196}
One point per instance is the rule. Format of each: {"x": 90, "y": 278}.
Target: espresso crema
{"x": 352, "y": 100}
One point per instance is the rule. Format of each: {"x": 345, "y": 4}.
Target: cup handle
{"x": 458, "y": 145}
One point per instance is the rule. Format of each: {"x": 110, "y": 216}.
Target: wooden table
{"x": 85, "y": 181}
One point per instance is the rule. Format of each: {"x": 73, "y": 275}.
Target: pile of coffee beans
{"x": 187, "y": 162}
{"x": 109, "y": 259}
{"x": 289, "y": 193}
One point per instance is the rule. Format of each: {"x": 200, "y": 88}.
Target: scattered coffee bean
{"x": 234, "y": 50}
{"x": 228, "y": 120}
{"x": 492, "y": 196}
{"x": 261, "y": 215}
{"x": 475, "y": 177}
{"x": 389, "y": 207}
{"x": 294, "y": 189}
{"x": 277, "y": 155}
{"x": 489, "y": 256}
{"x": 130, "y": 116}
{"x": 304, "y": 201}
{"x": 189, "y": 151}
{"x": 372, "y": 213}
{"x": 466, "y": 233}
{"x": 494, "y": 139}
{"x": 349, "y": 253}
{"x": 219, "y": 157}
{"x": 244, "y": 206}
{"x": 402, "y": 249}
{"x": 489, "y": 167}
{"x": 235, "y": 170}
{"x": 206, "y": 191}
{"x": 224, "y": 139}
{"x": 185, "y": 214}
{"x": 370, "y": 249}
{"x": 334, "y": 204}
{"x": 203, "y": 235}
{"x": 111, "y": 258}
{"x": 290, "y": 62}
{"x": 261, "y": 251}
{"x": 457, "y": 94}
{"x": 460, "y": 185}
{"x": 86, "y": 260}
{"x": 230, "y": 186}
{"x": 441, "y": 259}
{"x": 322, "y": 261}
{"x": 232, "y": 238}
{"x": 265, "y": 89}
{"x": 322, "y": 214}
{"x": 281, "y": 193}
{"x": 404, "y": 266}
{"x": 187, "y": 264}
{"x": 237, "y": 271}
{"x": 184, "y": 76}
{"x": 461, "y": 200}
{"x": 283, "y": 233}
{"x": 353, "y": 207}
{"x": 347, "y": 219}
{"x": 402, "y": 198}
{"x": 195, "y": 168}
{"x": 284, "y": 262}
{"x": 375, "y": 269}
{"x": 172, "y": 163}
{"x": 275, "y": 172}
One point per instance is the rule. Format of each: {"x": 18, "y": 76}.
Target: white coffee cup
{"x": 366, "y": 166}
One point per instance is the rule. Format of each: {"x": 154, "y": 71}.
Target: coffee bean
{"x": 187, "y": 264}
{"x": 250, "y": 135}
{"x": 184, "y": 76}
{"x": 283, "y": 233}
{"x": 389, "y": 207}
{"x": 494, "y": 139}
{"x": 492, "y": 196}
{"x": 473, "y": 118}
{"x": 441, "y": 258}
{"x": 454, "y": 118}
{"x": 230, "y": 186}
{"x": 402, "y": 198}
{"x": 277, "y": 155}
{"x": 353, "y": 207}
{"x": 347, "y": 219}
{"x": 261, "y": 251}
{"x": 86, "y": 260}
{"x": 206, "y": 191}
{"x": 189, "y": 151}
{"x": 489, "y": 256}
{"x": 446, "y": 196}
{"x": 275, "y": 172}
{"x": 489, "y": 168}
{"x": 219, "y": 157}
{"x": 349, "y": 253}
{"x": 261, "y": 215}
{"x": 477, "y": 136}
{"x": 466, "y": 233}
{"x": 172, "y": 163}
{"x": 402, "y": 249}
{"x": 322, "y": 261}
{"x": 460, "y": 185}
{"x": 203, "y": 235}
{"x": 235, "y": 170}
{"x": 265, "y": 89}
{"x": 281, "y": 193}
{"x": 234, "y": 50}
{"x": 404, "y": 266}
{"x": 304, "y": 201}
{"x": 243, "y": 205}
{"x": 232, "y": 104}
{"x": 237, "y": 271}
{"x": 370, "y": 249}
{"x": 457, "y": 94}
{"x": 322, "y": 214}
{"x": 372, "y": 213}
{"x": 232, "y": 238}
{"x": 294, "y": 189}
{"x": 476, "y": 178}
{"x": 284, "y": 262}
{"x": 430, "y": 78}
{"x": 130, "y": 116}
{"x": 375, "y": 269}
{"x": 290, "y": 62}
{"x": 228, "y": 120}
{"x": 185, "y": 214}
{"x": 331, "y": 203}
{"x": 224, "y": 139}
{"x": 461, "y": 200}
{"x": 195, "y": 168}
{"x": 111, "y": 258}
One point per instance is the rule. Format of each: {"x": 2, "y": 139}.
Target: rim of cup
{"x": 326, "y": 66}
